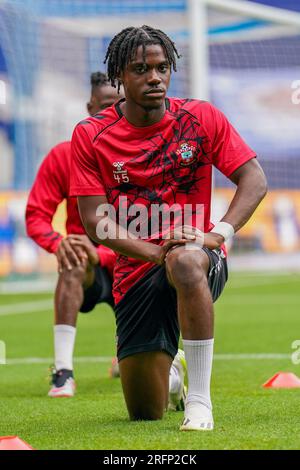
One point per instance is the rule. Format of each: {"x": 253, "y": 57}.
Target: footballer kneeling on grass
{"x": 148, "y": 151}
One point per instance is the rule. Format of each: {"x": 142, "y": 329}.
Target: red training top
{"x": 50, "y": 187}
{"x": 166, "y": 163}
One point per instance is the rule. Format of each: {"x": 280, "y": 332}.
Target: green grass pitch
{"x": 257, "y": 316}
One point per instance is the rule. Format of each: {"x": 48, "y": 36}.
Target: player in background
{"x": 169, "y": 147}
{"x": 85, "y": 274}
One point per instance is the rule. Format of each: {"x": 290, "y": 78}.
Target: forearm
{"x": 251, "y": 189}
{"x": 241, "y": 209}
{"x": 104, "y": 229}
{"x": 119, "y": 240}
{"x": 40, "y": 229}
{"x": 46, "y": 194}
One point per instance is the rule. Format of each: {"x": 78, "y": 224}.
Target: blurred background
{"x": 242, "y": 56}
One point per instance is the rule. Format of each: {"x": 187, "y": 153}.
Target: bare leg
{"x": 68, "y": 300}
{"x": 187, "y": 272}
{"x": 145, "y": 382}
{"x": 69, "y": 293}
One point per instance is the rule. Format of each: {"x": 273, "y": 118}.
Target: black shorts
{"x": 99, "y": 291}
{"x": 147, "y": 314}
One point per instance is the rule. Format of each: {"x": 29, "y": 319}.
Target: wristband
{"x": 225, "y": 229}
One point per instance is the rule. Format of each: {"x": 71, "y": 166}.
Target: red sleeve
{"x": 49, "y": 189}
{"x": 228, "y": 148}
{"x": 85, "y": 173}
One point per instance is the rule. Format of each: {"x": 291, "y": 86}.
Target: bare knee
{"x": 186, "y": 268}
{"x": 73, "y": 277}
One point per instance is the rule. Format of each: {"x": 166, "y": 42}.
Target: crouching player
{"x": 169, "y": 146}
{"x": 85, "y": 272}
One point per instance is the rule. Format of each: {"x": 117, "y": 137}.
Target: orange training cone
{"x": 13, "y": 443}
{"x": 283, "y": 380}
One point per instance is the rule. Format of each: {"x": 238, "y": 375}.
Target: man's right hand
{"x": 69, "y": 256}
{"x": 166, "y": 247}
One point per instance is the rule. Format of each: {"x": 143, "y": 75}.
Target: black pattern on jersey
{"x": 162, "y": 159}
{"x": 167, "y": 178}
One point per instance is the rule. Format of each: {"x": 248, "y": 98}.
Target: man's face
{"x": 146, "y": 81}
{"x": 102, "y": 97}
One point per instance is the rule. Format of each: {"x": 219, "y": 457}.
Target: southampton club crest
{"x": 186, "y": 152}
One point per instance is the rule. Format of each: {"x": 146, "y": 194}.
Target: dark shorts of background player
{"x": 147, "y": 314}
{"x": 99, "y": 291}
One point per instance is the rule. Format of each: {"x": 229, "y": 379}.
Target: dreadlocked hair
{"x": 122, "y": 49}
{"x": 98, "y": 79}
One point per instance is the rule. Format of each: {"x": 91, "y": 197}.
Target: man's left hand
{"x": 193, "y": 235}
{"x": 84, "y": 242}
{"x": 213, "y": 240}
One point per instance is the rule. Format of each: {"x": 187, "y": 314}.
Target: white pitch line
{"x": 49, "y": 360}
{"x": 261, "y": 299}
{"x": 256, "y": 357}
{"x": 238, "y": 284}
{"x": 251, "y": 274}
{"x": 27, "y": 287}
{"x": 107, "y": 359}
{"x": 20, "y": 308}
{"x": 26, "y": 307}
